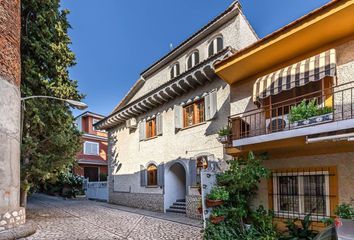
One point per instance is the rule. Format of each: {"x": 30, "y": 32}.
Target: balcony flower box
{"x": 213, "y": 203}
{"x": 223, "y": 139}
{"x": 312, "y": 121}
{"x": 217, "y": 219}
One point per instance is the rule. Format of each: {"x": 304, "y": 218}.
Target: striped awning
{"x": 299, "y": 74}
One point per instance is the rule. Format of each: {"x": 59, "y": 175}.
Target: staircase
{"x": 178, "y": 207}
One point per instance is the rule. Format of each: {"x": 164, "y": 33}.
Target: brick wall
{"x": 10, "y": 67}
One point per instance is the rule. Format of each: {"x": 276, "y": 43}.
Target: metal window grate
{"x": 296, "y": 193}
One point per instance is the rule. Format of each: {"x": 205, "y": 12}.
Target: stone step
{"x": 176, "y": 211}
{"x": 179, "y": 204}
{"x": 177, "y": 207}
{"x": 181, "y": 200}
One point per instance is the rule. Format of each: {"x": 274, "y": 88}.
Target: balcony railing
{"x": 277, "y": 117}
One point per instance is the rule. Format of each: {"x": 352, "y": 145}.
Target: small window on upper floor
{"x": 94, "y": 121}
{"x": 215, "y": 46}
{"x": 193, "y": 59}
{"x": 174, "y": 70}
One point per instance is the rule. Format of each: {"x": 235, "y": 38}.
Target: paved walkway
{"x": 57, "y": 218}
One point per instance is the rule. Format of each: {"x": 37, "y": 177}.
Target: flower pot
{"x": 312, "y": 121}
{"x": 223, "y": 139}
{"x": 216, "y": 220}
{"x": 214, "y": 203}
{"x": 200, "y": 210}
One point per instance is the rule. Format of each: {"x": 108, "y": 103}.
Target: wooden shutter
{"x": 161, "y": 175}
{"x": 210, "y": 105}
{"x": 196, "y": 58}
{"x": 142, "y": 130}
{"x": 192, "y": 172}
{"x": 159, "y": 125}
{"x": 190, "y": 62}
{"x": 143, "y": 176}
{"x": 211, "y": 49}
{"x": 178, "y": 110}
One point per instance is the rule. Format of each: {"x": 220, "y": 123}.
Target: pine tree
{"x": 50, "y": 139}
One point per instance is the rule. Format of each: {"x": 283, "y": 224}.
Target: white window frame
{"x": 214, "y": 41}
{"x": 192, "y": 55}
{"x": 301, "y": 197}
{"x": 174, "y": 70}
{"x": 95, "y": 143}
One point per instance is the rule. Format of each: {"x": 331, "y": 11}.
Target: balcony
{"x": 313, "y": 114}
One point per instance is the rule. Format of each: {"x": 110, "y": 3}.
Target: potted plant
{"x": 217, "y": 215}
{"x": 309, "y": 113}
{"x": 224, "y": 134}
{"x": 217, "y": 196}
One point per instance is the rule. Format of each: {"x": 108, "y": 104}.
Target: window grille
{"x": 297, "y": 193}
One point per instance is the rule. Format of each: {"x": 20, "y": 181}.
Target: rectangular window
{"x": 94, "y": 121}
{"x": 194, "y": 114}
{"x": 151, "y": 128}
{"x": 296, "y": 194}
{"x": 91, "y": 148}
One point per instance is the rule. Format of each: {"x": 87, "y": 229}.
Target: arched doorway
{"x": 175, "y": 184}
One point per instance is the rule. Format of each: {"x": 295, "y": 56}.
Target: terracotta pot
{"x": 200, "y": 210}
{"x": 214, "y": 203}
{"x": 216, "y": 220}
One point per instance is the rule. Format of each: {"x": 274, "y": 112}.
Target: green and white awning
{"x": 299, "y": 74}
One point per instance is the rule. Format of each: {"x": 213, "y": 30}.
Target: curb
{"x": 18, "y": 232}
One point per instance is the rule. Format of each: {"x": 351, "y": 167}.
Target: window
{"x": 174, "y": 70}
{"x": 296, "y": 194}
{"x": 152, "y": 175}
{"x": 151, "y": 128}
{"x": 193, "y": 113}
{"x": 193, "y": 59}
{"x": 91, "y": 148}
{"x": 215, "y": 46}
{"x": 94, "y": 121}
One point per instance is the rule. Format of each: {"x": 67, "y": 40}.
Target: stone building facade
{"x": 10, "y": 77}
{"x": 165, "y": 129}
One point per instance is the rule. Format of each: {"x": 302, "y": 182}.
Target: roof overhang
{"x": 311, "y": 34}
{"x": 197, "y": 76}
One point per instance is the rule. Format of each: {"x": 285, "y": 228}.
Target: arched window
{"x": 174, "y": 70}
{"x": 152, "y": 175}
{"x": 215, "y": 46}
{"x": 193, "y": 59}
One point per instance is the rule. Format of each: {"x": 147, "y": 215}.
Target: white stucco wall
{"x": 236, "y": 34}
{"x": 172, "y": 145}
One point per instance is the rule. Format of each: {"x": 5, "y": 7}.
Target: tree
{"x": 50, "y": 139}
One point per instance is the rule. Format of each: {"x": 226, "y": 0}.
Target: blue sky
{"x": 115, "y": 40}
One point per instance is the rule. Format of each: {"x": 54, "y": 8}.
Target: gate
{"x": 96, "y": 190}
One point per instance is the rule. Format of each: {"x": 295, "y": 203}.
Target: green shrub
{"x": 103, "y": 177}
{"x": 218, "y": 193}
{"x": 307, "y": 109}
{"x": 219, "y": 211}
{"x": 304, "y": 231}
{"x": 225, "y": 131}
{"x": 345, "y": 211}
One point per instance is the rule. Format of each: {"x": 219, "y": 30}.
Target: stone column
{"x": 11, "y": 214}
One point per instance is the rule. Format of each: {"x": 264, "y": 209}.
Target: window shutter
{"x": 189, "y": 62}
{"x": 210, "y": 105}
{"x": 178, "y": 116}
{"x": 143, "y": 176}
{"x": 177, "y": 69}
{"x": 142, "y": 130}
{"x": 192, "y": 172}
{"x": 161, "y": 175}
{"x": 159, "y": 124}
{"x": 219, "y": 44}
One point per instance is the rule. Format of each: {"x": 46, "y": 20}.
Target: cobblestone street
{"x": 57, "y": 218}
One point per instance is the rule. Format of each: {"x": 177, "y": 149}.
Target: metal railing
{"x": 275, "y": 117}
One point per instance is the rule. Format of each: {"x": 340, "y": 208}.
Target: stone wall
{"x": 153, "y": 202}
{"x": 10, "y": 219}
{"x": 192, "y": 204}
